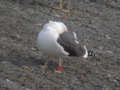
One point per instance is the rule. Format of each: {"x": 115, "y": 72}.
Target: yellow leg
{"x": 68, "y": 7}
{"x": 61, "y": 4}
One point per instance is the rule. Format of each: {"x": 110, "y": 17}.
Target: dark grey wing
{"x": 67, "y": 41}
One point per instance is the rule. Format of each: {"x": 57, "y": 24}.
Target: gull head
{"x": 55, "y": 26}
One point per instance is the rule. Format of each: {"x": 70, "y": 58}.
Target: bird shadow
{"x": 30, "y": 61}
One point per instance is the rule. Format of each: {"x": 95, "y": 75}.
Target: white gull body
{"x": 55, "y": 40}
{"x": 47, "y": 40}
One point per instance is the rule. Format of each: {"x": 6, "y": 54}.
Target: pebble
{"x": 107, "y": 36}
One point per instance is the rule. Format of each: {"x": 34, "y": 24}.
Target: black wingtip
{"x": 91, "y": 53}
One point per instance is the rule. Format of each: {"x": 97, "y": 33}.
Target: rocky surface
{"x": 97, "y": 24}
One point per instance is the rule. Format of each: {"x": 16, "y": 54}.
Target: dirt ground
{"x": 97, "y": 25}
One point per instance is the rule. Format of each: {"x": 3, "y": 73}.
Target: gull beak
{"x": 39, "y": 25}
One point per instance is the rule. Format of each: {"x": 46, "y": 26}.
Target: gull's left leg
{"x": 60, "y": 68}
{"x": 44, "y": 67}
{"x": 67, "y": 11}
{"x": 61, "y": 6}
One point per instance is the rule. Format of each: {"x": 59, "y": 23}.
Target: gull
{"x": 55, "y": 40}
{"x": 61, "y": 6}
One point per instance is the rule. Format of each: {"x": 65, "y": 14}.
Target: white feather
{"x": 47, "y": 40}
{"x": 75, "y": 37}
{"x": 86, "y": 52}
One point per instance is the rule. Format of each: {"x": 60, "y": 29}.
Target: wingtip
{"x": 86, "y": 52}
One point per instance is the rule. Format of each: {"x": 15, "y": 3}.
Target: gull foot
{"x": 58, "y": 71}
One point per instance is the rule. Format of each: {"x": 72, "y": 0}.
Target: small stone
{"x": 34, "y": 49}
{"x": 27, "y": 68}
{"x": 57, "y": 15}
{"x": 107, "y": 36}
{"x": 109, "y": 52}
{"x": 100, "y": 47}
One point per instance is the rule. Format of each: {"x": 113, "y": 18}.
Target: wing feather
{"x": 68, "y": 42}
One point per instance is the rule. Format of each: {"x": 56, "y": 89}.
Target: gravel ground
{"x": 97, "y": 24}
